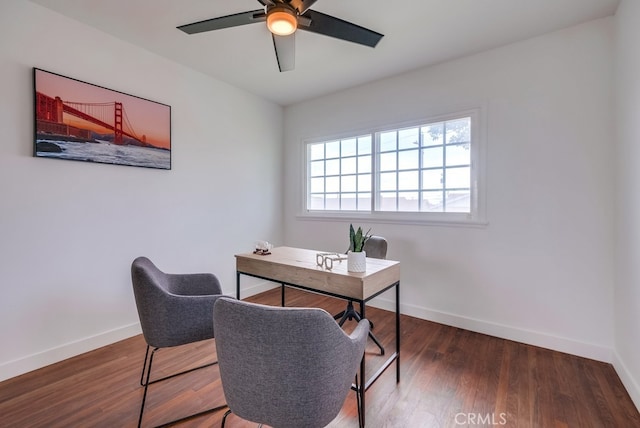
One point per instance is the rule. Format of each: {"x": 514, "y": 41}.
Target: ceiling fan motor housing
{"x": 282, "y": 20}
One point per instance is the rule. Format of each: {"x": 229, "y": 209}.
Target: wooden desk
{"x": 296, "y": 267}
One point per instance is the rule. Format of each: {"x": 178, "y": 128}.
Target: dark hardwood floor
{"x": 449, "y": 378}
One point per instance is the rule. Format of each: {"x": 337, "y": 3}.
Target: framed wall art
{"x": 80, "y": 121}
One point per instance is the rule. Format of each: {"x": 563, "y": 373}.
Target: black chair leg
{"x": 145, "y": 381}
{"x": 348, "y": 314}
{"x": 351, "y": 313}
{"x": 144, "y": 366}
{"x": 377, "y": 342}
{"x": 224, "y": 418}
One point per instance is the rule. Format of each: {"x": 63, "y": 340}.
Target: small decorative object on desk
{"x": 326, "y": 259}
{"x": 263, "y": 248}
{"x": 357, "y": 257}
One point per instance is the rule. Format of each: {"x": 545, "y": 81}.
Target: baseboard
{"x": 50, "y": 356}
{"x": 53, "y": 355}
{"x": 581, "y": 349}
{"x": 256, "y": 288}
{"x": 560, "y": 344}
{"x": 627, "y": 379}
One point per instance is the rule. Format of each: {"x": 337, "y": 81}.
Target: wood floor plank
{"x": 449, "y": 378}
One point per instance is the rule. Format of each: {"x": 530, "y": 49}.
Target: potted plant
{"x": 357, "y": 257}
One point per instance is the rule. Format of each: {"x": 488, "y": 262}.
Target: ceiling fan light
{"x": 281, "y": 21}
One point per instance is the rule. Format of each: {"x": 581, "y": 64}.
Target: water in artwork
{"x": 106, "y": 152}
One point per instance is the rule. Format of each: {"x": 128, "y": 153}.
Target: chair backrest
{"x": 284, "y": 367}
{"x": 168, "y": 315}
{"x": 150, "y": 286}
{"x": 376, "y": 247}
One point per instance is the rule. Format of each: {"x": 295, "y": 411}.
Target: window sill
{"x": 450, "y": 220}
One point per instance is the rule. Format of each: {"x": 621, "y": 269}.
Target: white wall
{"x": 627, "y": 292}
{"x": 541, "y": 272}
{"x": 69, "y": 230}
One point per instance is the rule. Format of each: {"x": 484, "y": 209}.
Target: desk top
{"x": 298, "y": 266}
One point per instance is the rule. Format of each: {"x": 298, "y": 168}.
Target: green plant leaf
{"x": 357, "y": 238}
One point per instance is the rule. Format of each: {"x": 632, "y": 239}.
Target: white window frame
{"x": 477, "y": 214}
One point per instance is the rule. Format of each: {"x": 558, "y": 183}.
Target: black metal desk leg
{"x": 238, "y": 285}
{"x": 360, "y": 316}
{"x": 362, "y": 387}
{"x": 363, "y": 381}
{"x": 398, "y": 332}
{"x": 282, "y": 297}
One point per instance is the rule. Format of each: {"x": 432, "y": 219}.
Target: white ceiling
{"x": 417, "y": 33}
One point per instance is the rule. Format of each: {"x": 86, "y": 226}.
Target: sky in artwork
{"x": 148, "y": 118}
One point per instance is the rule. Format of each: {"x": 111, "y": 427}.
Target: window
{"x": 424, "y": 171}
{"x": 340, "y": 175}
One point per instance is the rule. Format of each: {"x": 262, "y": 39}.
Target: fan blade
{"x": 285, "y": 47}
{"x": 301, "y": 5}
{"x": 336, "y": 27}
{"x": 234, "y": 20}
{"x": 266, "y": 2}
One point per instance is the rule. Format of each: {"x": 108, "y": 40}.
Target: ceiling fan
{"x": 283, "y": 17}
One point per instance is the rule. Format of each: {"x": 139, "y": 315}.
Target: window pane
{"x": 348, "y": 201}
{"x": 364, "y": 182}
{"x": 348, "y": 183}
{"x": 317, "y": 151}
{"x": 459, "y": 131}
{"x": 458, "y": 155}
{"x": 333, "y": 167}
{"x": 458, "y": 201}
{"x": 333, "y": 184}
{"x": 364, "y": 201}
{"x": 408, "y": 138}
{"x": 348, "y": 147}
{"x": 333, "y": 149}
{"x": 332, "y": 202}
{"x": 317, "y": 185}
{"x": 458, "y": 178}
{"x": 336, "y": 169}
{"x": 348, "y": 166}
{"x": 432, "y": 134}
{"x": 316, "y": 202}
{"x": 408, "y": 180}
{"x": 388, "y": 141}
{"x": 408, "y": 201}
{"x": 432, "y": 201}
{"x": 432, "y": 179}
{"x": 432, "y": 157}
{"x": 408, "y": 159}
{"x": 364, "y": 163}
{"x": 364, "y": 145}
{"x": 388, "y": 161}
{"x": 388, "y": 201}
{"x": 317, "y": 168}
{"x": 388, "y": 181}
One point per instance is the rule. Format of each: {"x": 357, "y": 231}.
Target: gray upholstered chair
{"x": 285, "y": 367}
{"x": 174, "y": 309}
{"x": 376, "y": 248}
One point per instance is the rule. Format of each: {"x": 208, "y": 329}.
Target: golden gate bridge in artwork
{"x": 109, "y": 115}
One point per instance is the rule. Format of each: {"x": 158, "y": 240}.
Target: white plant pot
{"x": 356, "y": 262}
